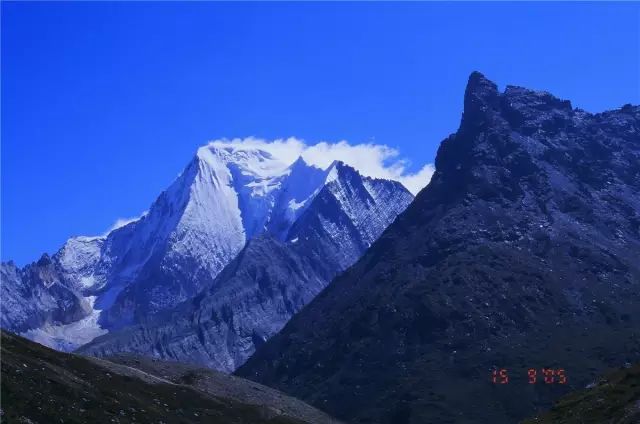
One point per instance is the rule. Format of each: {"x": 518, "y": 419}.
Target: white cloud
{"x": 121, "y": 222}
{"x": 373, "y": 160}
{"x": 416, "y": 182}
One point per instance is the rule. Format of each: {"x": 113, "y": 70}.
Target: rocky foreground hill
{"x": 612, "y": 398}
{"x": 522, "y": 252}
{"x": 41, "y": 385}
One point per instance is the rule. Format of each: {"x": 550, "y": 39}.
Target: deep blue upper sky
{"x": 104, "y": 103}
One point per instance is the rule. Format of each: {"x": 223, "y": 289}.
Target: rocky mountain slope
{"x": 35, "y": 295}
{"x": 522, "y": 252}
{"x": 40, "y": 385}
{"x": 226, "y": 386}
{"x": 270, "y": 280}
{"x": 225, "y": 197}
{"x": 613, "y": 398}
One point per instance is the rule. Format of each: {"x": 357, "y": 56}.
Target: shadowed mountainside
{"x": 522, "y": 252}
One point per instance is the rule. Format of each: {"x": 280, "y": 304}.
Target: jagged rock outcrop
{"x": 522, "y": 252}
{"x": 39, "y": 294}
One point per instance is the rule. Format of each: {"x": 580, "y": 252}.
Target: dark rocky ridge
{"x": 523, "y": 252}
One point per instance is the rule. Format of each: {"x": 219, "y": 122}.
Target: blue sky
{"x": 104, "y": 103}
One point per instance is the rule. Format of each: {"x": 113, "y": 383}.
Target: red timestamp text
{"x": 543, "y": 375}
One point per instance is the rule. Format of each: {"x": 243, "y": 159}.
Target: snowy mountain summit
{"x": 225, "y": 197}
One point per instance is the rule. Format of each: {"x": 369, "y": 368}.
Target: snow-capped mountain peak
{"x": 301, "y": 184}
{"x": 249, "y": 161}
{"x": 318, "y": 227}
{"x": 224, "y": 197}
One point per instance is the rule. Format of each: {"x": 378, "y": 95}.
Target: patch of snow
{"x": 294, "y": 206}
{"x": 332, "y": 172}
{"x": 87, "y": 281}
{"x": 69, "y": 337}
{"x": 79, "y": 257}
{"x": 301, "y": 183}
{"x": 87, "y": 239}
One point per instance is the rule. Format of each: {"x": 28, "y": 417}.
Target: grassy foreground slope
{"x": 41, "y": 385}
{"x": 614, "y": 399}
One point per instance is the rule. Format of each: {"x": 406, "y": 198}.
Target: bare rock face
{"x": 522, "y": 252}
{"x": 38, "y": 294}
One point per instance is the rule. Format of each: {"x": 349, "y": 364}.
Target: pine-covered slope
{"x": 522, "y": 252}
{"x": 270, "y": 280}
